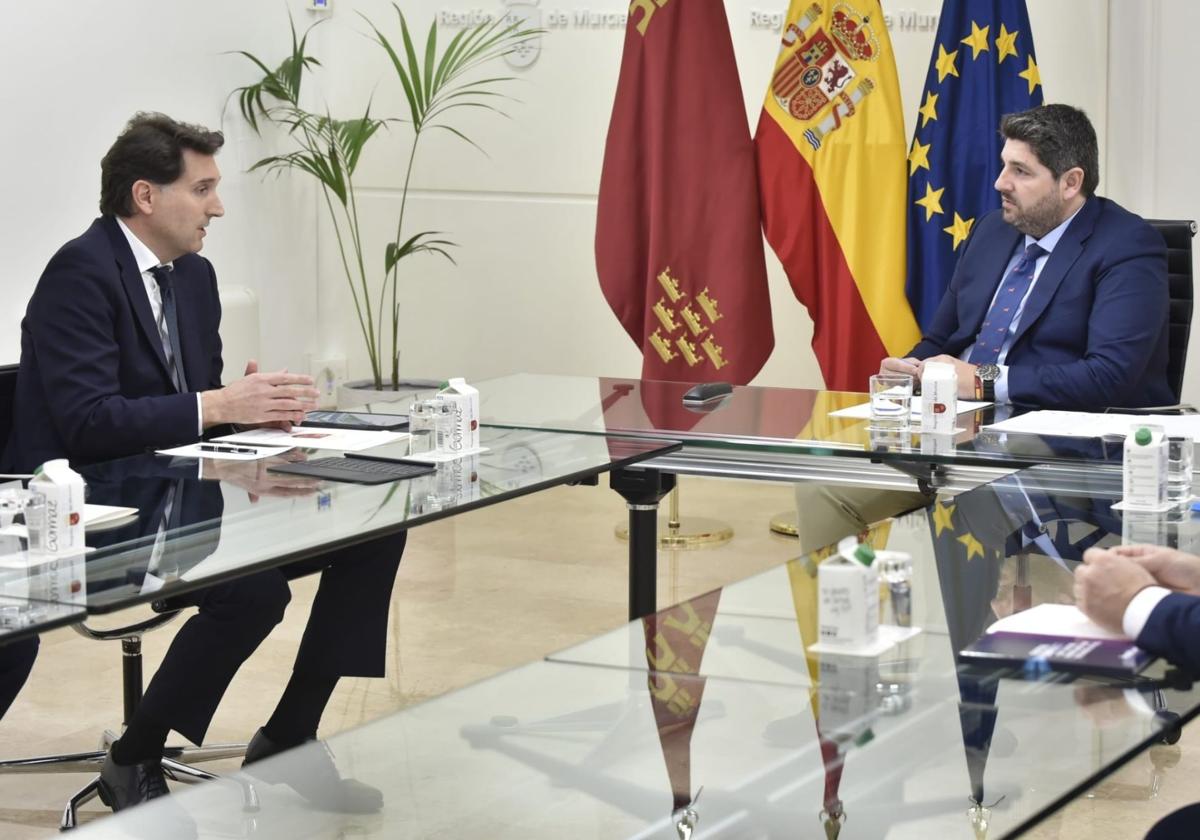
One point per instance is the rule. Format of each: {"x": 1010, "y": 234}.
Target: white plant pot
{"x": 361, "y": 393}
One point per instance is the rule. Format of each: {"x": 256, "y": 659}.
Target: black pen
{"x": 237, "y": 450}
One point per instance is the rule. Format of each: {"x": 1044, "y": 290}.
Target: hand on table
{"x": 907, "y": 365}
{"x": 965, "y": 371}
{"x": 1170, "y": 567}
{"x": 1106, "y": 583}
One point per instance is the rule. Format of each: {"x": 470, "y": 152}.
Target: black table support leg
{"x": 642, "y": 490}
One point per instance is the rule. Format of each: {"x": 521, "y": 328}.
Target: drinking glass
{"x": 891, "y": 400}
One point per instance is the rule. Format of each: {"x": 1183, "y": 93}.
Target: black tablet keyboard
{"x": 355, "y": 470}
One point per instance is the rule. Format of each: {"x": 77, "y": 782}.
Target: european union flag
{"x": 983, "y": 66}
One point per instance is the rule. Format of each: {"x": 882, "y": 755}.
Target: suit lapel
{"x": 135, "y": 290}
{"x": 1058, "y": 264}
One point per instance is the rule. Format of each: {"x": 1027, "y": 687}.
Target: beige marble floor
{"x": 475, "y": 595}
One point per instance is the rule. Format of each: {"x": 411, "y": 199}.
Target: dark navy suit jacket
{"x": 1093, "y": 333}
{"x": 1172, "y": 631}
{"x": 93, "y": 382}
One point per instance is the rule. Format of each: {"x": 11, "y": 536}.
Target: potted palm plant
{"x": 438, "y": 82}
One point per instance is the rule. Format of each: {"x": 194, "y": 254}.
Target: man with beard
{"x": 1059, "y": 299}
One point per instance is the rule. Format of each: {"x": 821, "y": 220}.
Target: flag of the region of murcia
{"x": 835, "y": 216}
{"x": 679, "y": 249}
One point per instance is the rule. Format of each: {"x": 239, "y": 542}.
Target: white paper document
{"x": 863, "y": 412}
{"x": 1084, "y": 424}
{"x": 1065, "y": 620}
{"x": 345, "y": 440}
{"x": 224, "y": 451}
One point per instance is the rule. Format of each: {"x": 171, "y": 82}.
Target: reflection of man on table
{"x": 1059, "y": 300}
{"x": 120, "y": 352}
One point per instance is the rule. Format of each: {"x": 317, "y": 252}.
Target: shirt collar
{"x": 1051, "y": 239}
{"x": 142, "y": 255}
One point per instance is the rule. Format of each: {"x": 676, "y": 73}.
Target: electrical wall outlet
{"x": 329, "y": 374}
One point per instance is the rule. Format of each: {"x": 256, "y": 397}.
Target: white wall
{"x": 525, "y": 291}
{"x": 74, "y": 73}
{"x": 524, "y": 294}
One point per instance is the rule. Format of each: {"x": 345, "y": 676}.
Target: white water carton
{"x": 63, "y": 489}
{"x": 848, "y": 593}
{"x": 939, "y": 398}
{"x": 464, "y": 402}
{"x": 1145, "y": 474}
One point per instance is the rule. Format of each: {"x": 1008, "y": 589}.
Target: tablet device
{"x": 362, "y": 420}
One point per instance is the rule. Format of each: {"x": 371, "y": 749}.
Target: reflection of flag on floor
{"x": 983, "y": 67}
{"x": 675, "y": 642}
{"x": 968, "y": 564}
{"x": 802, "y": 576}
{"x": 830, "y": 145}
{"x": 678, "y": 240}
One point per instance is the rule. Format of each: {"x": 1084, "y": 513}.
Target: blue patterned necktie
{"x": 999, "y": 318}
{"x": 170, "y": 319}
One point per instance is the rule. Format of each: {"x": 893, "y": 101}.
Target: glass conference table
{"x": 777, "y": 434}
{"x": 715, "y": 719}
{"x": 240, "y": 518}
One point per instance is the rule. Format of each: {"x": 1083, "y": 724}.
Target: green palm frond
{"x": 437, "y": 84}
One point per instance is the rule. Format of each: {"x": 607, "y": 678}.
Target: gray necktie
{"x": 162, "y": 275}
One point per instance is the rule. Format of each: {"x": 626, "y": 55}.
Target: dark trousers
{"x": 1183, "y": 824}
{"x": 16, "y": 661}
{"x": 346, "y": 633}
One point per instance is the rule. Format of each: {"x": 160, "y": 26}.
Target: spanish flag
{"x": 831, "y": 155}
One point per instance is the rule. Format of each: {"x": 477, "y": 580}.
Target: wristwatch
{"x": 985, "y": 382}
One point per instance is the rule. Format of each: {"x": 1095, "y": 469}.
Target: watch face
{"x": 988, "y": 373}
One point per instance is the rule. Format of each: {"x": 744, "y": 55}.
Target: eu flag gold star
{"x": 945, "y": 63}
{"x": 1006, "y": 44}
{"x": 973, "y": 545}
{"x": 977, "y": 40}
{"x": 918, "y": 158}
{"x": 928, "y": 111}
{"x": 943, "y": 517}
{"x": 932, "y": 202}
{"x": 959, "y": 230}
{"x": 1031, "y": 74}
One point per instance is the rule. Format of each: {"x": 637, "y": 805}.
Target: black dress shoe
{"x": 309, "y": 770}
{"x": 125, "y": 785}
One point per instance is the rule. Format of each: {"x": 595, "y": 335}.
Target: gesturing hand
{"x": 278, "y": 399}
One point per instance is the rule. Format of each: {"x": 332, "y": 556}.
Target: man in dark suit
{"x": 1059, "y": 299}
{"x": 119, "y": 353}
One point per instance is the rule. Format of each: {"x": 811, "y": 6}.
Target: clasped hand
{"x": 279, "y": 399}
{"x": 1110, "y": 578}
{"x": 915, "y": 367}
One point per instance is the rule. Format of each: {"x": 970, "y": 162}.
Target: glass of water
{"x": 1179, "y": 469}
{"x": 891, "y": 400}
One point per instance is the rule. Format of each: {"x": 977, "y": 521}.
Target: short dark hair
{"x": 151, "y": 149}
{"x": 1062, "y": 137}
